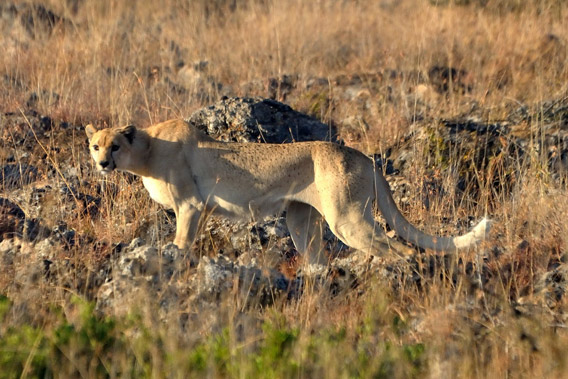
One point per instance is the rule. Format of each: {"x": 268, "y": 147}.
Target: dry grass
{"x": 101, "y": 64}
{"x": 113, "y": 62}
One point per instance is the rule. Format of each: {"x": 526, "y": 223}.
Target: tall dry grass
{"x": 100, "y": 62}
{"x": 109, "y": 63}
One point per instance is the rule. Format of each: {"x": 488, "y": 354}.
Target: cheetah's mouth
{"x": 105, "y": 166}
{"x": 105, "y": 171}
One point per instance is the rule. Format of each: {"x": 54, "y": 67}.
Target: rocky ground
{"x": 51, "y": 198}
{"x": 66, "y": 231}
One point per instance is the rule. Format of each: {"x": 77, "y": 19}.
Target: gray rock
{"x": 141, "y": 261}
{"x": 44, "y": 249}
{"x": 214, "y": 276}
{"x": 468, "y": 147}
{"x": 121, "y": 294}
{"x": 143, "y": 274}
{"x": 259, "y": 120}
{"x": 136, "y": 243}
{"x": 147, "y": 261}
{"x": 7, "y": 252}
{"x": 217, "y": 277}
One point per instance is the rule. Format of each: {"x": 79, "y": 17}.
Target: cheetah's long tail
{"x": 411, "y": 234}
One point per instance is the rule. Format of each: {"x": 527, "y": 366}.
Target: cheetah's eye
{"x": 115, "y": 147}
{"x": 96, "y": 147}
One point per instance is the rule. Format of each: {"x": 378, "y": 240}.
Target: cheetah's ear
{"x": 129, "y": 132}
{"x": 90, "y": 130}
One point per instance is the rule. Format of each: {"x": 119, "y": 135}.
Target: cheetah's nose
{"x": 104, "y": 164}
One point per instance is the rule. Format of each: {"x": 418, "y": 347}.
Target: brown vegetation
{"x": 395, "y": 78}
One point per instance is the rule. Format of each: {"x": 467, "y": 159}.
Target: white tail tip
{"x": 478, "y": 234}
{"x": 482, "y": 229}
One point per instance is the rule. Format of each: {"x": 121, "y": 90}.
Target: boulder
{"x": 259, "y": 120}
{"x": 142, "y": 273}
{"x": 218, "y": 276}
